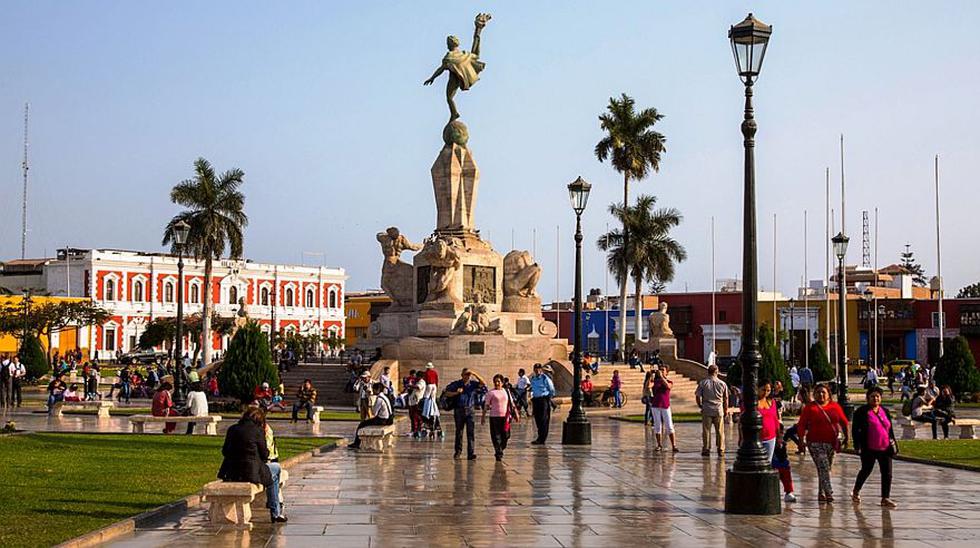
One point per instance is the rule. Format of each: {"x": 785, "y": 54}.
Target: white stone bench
{"x": 908, "y": 428}
{"x": 317, "y": 409}
{"x": 230, "y": 502}
{"x": 101, "y": 407}
{"x": 210, "y": 422}
{"x": 375, "y": 439}
{"x": 967, "y": 428}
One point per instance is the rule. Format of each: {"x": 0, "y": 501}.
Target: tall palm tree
{"x": 650, "y": 252}
{"x": 216, "y": 214}
{"x": 635, "y": 150}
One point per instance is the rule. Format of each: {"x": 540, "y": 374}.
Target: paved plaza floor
{"x": 618, "y": 492}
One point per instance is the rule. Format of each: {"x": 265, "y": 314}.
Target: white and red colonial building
{"x": 137, "y": 287}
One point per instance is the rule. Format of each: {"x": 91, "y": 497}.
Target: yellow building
{"x": 811, "y": 317}
{"x": 362, "y": 308}
{"x": 66, "y": 339}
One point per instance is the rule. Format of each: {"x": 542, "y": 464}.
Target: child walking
{"x": 780, "y": 462}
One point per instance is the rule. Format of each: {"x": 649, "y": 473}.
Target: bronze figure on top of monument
{"x": 461, "y": 303}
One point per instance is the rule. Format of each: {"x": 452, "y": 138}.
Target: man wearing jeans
{"x": 542, "y": 390}
{"x": 712, "y": 398}
{"x": 305, "y": 398}
{"x": 465, "y": 391}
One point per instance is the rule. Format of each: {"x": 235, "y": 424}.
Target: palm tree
{"x": 650, "y": 252}
{"x": 215, "y": 213}
{"x": 634, "y": 149}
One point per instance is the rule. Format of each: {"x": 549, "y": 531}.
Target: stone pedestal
{"x": 455, "y": 179}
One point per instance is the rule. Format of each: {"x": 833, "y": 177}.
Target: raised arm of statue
{"x": 478, "y": 24}
{"x": 440, "y": 70}
{"x": 404, "y": 243}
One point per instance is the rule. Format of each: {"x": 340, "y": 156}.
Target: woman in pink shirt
{"x": 874, "y": 441}
{"x": 501, "y": 411}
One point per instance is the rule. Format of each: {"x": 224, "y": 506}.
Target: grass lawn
{"x": 961, "y": 452}
{"x": 678, "y": 417}
{"x": 59, "y": 486}
{"x": 127, "y": 411}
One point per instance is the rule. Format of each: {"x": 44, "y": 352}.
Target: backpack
{"x": 907, "y": 408}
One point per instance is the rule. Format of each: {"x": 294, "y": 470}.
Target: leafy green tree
{"x": 216, "y": 214}
{"x": 771, "y": 368}
{"x": 247, "y": 363}
{"x": 971, "y": 291}
{"x": 634, "y": 149}
{"x": 46, "y": 318}
{"x": 650, "y": 252}
{"x": 33, "y": 357}
{"x": 823, "y": 371}
{"x": 958, "y": 368}
{"x": 913, "y": 267}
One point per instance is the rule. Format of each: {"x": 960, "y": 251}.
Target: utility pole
{"x": 26, "y": 168}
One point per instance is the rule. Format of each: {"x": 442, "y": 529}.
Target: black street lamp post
{"x": 181, "y": 230}
{"x": 576, "y": 430}
{"x": 840, "y": 249}
{"x": 751, "y": 485}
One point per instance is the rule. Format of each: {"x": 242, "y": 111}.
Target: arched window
{"x": 332, "y": 299}
{"x": 138, "y": 291}
{"x": 195, "y": 294}
{"x": 232, "y": 295}
{"x": 168, "y": 292}
{"x": 265, "y": 296}
{"x": 289, "y": 297}
{"x": 110, "y": 290}
{"x": 310, "y": 300}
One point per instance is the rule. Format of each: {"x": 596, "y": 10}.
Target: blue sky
{"x": 321, "y": 104}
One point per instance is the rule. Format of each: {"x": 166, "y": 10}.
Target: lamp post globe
{"x": 840, "y": 250}
{"x": 576, "y": 430}
{"x": 181, "y": 231}
{"x": 751, "y": 485}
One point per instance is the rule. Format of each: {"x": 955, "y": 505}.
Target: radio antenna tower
{"x": 866, "y": 241}
{"x": 23, "y": 208}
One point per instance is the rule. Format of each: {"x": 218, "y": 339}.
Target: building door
{"x": 132, "y": 342}
{"x": 723, "y": 347}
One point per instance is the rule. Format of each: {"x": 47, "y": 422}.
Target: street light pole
{"x": 751, "y": 485}
{"x": 181, "y": 230}
{"x": 840, "y": 249}
{"x": 792, "y": 330}
{"x": 576, "y": 429}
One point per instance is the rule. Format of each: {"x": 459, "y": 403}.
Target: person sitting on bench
{"x": 381, "y": 411}
{"x": 587, "y": 390}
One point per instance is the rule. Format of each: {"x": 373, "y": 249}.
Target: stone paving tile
{"x": 619, "y": 492}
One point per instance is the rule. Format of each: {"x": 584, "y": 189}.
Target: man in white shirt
{"x": 522, "y": 386}
{"x": 18, "y": 372}
{"x": 382, "y": 414}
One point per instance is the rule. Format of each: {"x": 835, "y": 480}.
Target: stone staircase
{"x": 681, "y": 396}
{"x": 328, "y": 379}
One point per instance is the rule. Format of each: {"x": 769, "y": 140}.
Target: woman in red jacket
{"x": 822, "y": 422}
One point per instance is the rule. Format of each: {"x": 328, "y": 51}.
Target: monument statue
{"x": 464, "y": 67}
{"x": 521, "y": 274}
{"x": 396, "y": 276}
{"x": 660, "y": 324}
{"x": 444, "y": 261}
{"x": 475, "y": 320}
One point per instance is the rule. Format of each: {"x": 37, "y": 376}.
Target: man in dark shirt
{"x": 465, "y": 391}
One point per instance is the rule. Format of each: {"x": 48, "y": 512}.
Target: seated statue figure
{"x": 660, "y": 324}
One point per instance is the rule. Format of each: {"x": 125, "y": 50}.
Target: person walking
{"x": 415, "y": 397}
{"x": 465, "y": 392}
{"x": 430, "y": 408}
{"x": 382, "y": 411}
{"x": 822, "y": 424}
{"x": 197, "y": 404}
{"x": 711, "y": 396}
{"x": 18, "y": 372}
{"x": 542, "y": 390}
{"x": 521, "y": 388}
{"x": 501, "y": 410}
{"x": 663, "y": 420}
{"x": 245, "y": 453}
{"x": 616, "y": 389}
{"x": 874, "y": 441}
{"x": 769, "y": 412}
{"x": 6, "y": 382}
{"x": 305, "y": 399}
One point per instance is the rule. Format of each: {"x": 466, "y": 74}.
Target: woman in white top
{"x": 198, "y": 404}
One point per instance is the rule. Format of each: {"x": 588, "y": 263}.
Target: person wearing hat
{"x": 363, "y": 389}
{"x": 263, "y": 395}
{"x": 542, "y": 391}
{"x": 429, "y": 408}
{"x": 305, "y": 399}
{"x": 465, "y": 392}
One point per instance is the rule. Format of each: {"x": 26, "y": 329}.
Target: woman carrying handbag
{"x": 874, "y": 441}
{"x": 823, "y": 429}
{"x": 502, "y": 412}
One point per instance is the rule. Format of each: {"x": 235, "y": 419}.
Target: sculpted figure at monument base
{"x": 659, "y": 323}
{"x": 396, "y": 276}
{"x": 521, "y": 275}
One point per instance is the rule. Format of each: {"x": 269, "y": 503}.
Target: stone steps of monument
{"x": 329, "y": 381}
{"x": 681, "y": 395}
